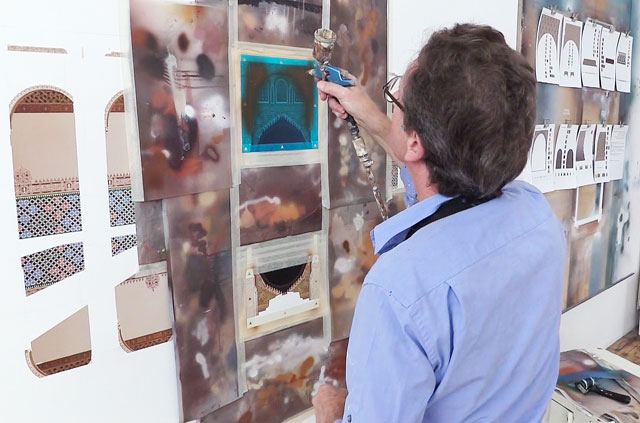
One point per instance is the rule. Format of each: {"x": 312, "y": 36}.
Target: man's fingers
{"x": 336, "y": 106}
{"x": 332, "y": 89}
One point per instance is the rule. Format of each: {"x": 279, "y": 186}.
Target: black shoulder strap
{"x": 446, "y": 209}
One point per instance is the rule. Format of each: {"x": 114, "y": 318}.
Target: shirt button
{"x": 349, "y": 418}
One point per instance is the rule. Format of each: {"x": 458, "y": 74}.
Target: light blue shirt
{"x": 460, "y": 322}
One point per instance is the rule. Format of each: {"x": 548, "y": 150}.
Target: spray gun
{"x": 324, "y": 42}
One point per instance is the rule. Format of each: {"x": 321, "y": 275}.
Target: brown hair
{"x": 472, "y": 100}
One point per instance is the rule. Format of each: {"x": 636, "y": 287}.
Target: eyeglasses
{"x": 389, "y": 88}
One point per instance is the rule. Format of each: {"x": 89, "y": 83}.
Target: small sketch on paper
{"x": 570, "y": 54}
{"x": 548, "y": 46}
{"x": 623, "y": 63}
{"x": 564, "y": 168}
{"x": 584, "y": 155}
{"x": 541, "y": 157}
{"x": 608, "y": 47}
{"x": 601, "y": 153}
{"x": 616, "y": 151}
{"x": 591, "y": 54}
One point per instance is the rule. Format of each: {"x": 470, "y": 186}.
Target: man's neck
{"x": 422, "y": 180}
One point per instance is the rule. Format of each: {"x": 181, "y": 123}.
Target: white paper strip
{"x": 548, "y": 46}
{"x": 570, "y": 55}
{"x": 564, "y": 159}
{"x": 541, "y": 157}
{"x": 608, "y": 46}
{"x": 601, "y": 153}
{"x": 591, "y": 54}
{"x": 584, "y": 155}
{"x": 623, "y": 63}
{"x": 616, "y": 153}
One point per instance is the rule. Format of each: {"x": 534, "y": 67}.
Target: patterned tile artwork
{"x": 47, "y": 267}
{"x": 120, "y": 244}
{"x": 121, "y": 208}
{"x": 48, "y": 215}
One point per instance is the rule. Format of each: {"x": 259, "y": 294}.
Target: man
{"x": 458, "y": 320}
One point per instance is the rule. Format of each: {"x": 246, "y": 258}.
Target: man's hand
{"x": 351, "y": 100}
{"x": 329, "y": 403}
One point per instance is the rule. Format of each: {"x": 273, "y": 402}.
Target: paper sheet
{"x": 608, "y": 46}
{"x": 541, "y": 157}
{"x": 570, "y": 54}
{"x": 584, "y": 155}
{"x": 623, "y": 63}
{"x": 616, "y": 153}
{"x": 548, "y": 46}
{"x": 564, "y": 158}
{"x": 601, "y": 153}
{"x": 591, "y": 54}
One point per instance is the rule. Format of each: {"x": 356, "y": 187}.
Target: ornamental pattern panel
{"x": 50, "y": 266}
{"x": 43, "y": 215}
{"x": 121, "y": 208}
{"x": 120, "y": 244}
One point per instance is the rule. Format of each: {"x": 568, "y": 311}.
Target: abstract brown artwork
{"x": 281, "y": 22}
{"x": 361, "y": 28}
{"x": 199, "y": 241}
{"x": 350, "y": 258}
{"x": 150, "y": 232}
{"x": 282, "y": 369}
{"x": 181, "y": 74}
{"x": 276, "y": 202}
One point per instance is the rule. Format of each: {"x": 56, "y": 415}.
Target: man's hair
{"x": 472, "y": 100}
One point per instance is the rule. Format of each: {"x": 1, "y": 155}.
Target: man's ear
{"x": 415, "y": 150}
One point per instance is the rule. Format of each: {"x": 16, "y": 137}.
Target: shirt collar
{"x": 393, "y": 231}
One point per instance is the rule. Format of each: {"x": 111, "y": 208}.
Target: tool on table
{"x": 589, "y": 385}
{"x": 324, "y": 42}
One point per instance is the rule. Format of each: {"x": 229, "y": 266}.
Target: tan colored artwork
{"x": 43, "y": 140}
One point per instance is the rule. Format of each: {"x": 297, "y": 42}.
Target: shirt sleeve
{"x": 389, "y": 376}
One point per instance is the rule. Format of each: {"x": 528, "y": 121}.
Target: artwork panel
{"x": 150, "y": 232}
{"x": 350, "y": 258}
{"x": 279, "y": 104}
{"x": 361, "y": 48}
{"x": 46, "y": 184}
{"x": 276, "y": 202}
{"x": 122, "y": 211}
{"x": 282, "y": 372}
{"x": 280, "y": 22}
{"x": 280, "y": 284}
{"x": 181, "y": 74}
{"x": 548, "y": 46}
{"x": 199, "y": 241}
{"x": 50, "y": 266}
{"x": 120, "y": 244}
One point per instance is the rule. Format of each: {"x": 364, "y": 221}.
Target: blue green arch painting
{"x": 279, "y": 104}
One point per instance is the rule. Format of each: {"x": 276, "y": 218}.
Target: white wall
{"x": 116, "y": 386}
{"x": 412, "y": 21}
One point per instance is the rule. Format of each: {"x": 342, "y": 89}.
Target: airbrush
{"x": 324, "y": 42}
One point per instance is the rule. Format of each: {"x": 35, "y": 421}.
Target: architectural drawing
{"x": 541, "y": 157}
{"x": 570, "y": 54}
{"x": 601, "y": 147}
{"x": 584, "y": 155}
{"x": 548, "y": 46}
{"x": 591, "y": 46}
{"x": 608, "y": 56}
{"x": 565, "y": 157}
